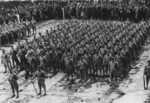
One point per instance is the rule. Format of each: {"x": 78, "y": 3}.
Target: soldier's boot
{"x": 13, "y": 96}
{"x": 44, "y": 87}
{"x": 5, "y": 68}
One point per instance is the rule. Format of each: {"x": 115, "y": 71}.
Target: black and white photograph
{"x": 74, "y": 51}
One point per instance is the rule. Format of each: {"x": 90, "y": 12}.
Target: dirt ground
{"x": 59, "y": 90}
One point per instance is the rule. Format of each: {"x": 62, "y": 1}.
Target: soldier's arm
{"x": 45, "y": 75}
{"x": 145, "y": 70}
{"x": 2, "y": 60}
{"x": 34, "y": 76}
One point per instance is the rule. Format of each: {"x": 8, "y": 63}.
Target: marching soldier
{"x": 13, "y": 82}
{"x": 41, "y": 75}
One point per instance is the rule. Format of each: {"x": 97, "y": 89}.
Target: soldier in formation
{"x": 81, "y": 48}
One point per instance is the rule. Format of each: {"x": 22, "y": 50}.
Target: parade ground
{"x": 127, "y": 90}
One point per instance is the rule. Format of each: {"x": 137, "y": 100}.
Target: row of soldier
{"x": 86, "y": 48}
{"x": 12, "y": 32}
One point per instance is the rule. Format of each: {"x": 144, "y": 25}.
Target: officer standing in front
{"x": 13, "y": 82}
{"x": 40, "y": 74}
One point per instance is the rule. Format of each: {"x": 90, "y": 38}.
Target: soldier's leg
{"x": 115, "y": 74}
{"x": 13, "y": 62}
{"x": 147, "y": 80}
{"x": 54, "y": 67}
{"x": 20, "y": 35}
{"x": 0, "y": 42}
{"x": 71, "y": 73}
{"x": 29, "y": 31}
{"x": 43, "y": 86}
{"x": 16, "y": 89}
{"x": 111, "y": 77}
{"x": 105, "y": 70}
{"x": 34, "y": 29}
{"x": 27, "y": 74}
{"x": 68, "y": 74}
{"x": 39, "y": 85}
{"x": 7, "y": 38}
{"x": 13, "y": 39}
{"x": 95, "y": 74}
{"x": 13, "y": 90}
{"x": 81, "y": 75}
{"x": 32, "y": 70}
{"x": 95, "y": 68}
{"x": 6, "y": 66}
{"x": 85, "y": 75}
{"x": 99, "y": 70}
{"x": 17, "y": 62}
{"x": 90, "y": 69}
{"x": 9, "y": 66}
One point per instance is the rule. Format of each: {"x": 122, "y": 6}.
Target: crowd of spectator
{"x": 45, "y": 10}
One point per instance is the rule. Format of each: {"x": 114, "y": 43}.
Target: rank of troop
{"x": 12, "y": 32}
{"x": 11, "y": 12}
{"x": 88, "y": 48}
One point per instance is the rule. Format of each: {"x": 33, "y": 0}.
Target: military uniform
{"x": 5, "y": 61}
{"x": 83, "y": 71}
{"x": 40, "y": 74}
{"x": 14, "y": 57}
{"x": 13, "y": 82}
{"x": 113, "y": 70}
{"x": 146, "y": 75}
